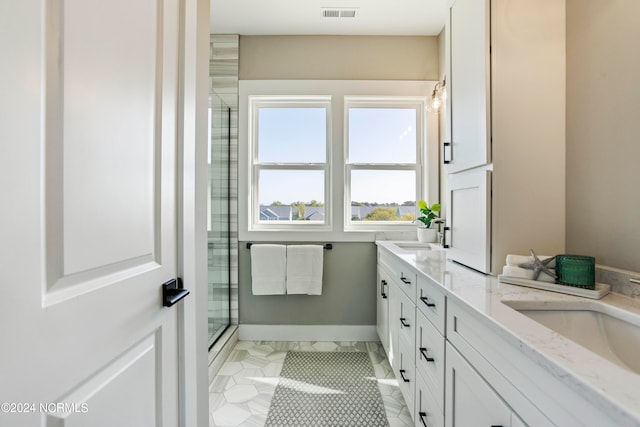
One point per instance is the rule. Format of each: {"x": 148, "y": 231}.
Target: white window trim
{"x": 337, "y": 90}
{"x": 288, "y": 101}
{"x": 419, "y": 103}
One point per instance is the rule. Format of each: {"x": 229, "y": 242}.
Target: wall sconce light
{"x": 439, "y": 95}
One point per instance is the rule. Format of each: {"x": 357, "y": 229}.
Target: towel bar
{"x": 327, "y": 246}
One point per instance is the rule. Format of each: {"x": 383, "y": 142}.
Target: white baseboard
{"x": 308, "y": 333}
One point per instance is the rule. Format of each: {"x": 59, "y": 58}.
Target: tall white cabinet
{"x": 469, "y": 68}
{"x": 506, "y": 117}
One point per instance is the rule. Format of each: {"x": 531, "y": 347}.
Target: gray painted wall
{"x": 348, "y": 291}
{"x": 349, "y": 288}
{"x": 338, "y": 58}
{"x": 603, "y": 131}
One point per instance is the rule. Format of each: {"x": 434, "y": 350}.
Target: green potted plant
{"x": 427, "y": 234}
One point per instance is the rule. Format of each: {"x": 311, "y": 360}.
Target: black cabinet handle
{"x": 427, "y": 302}
{"x": 405, "y": 280}
{"x": 444, "y": 237}
{"x": 172, "y": 292}
{"x": 448, "y": 149}
{"x": 423, "y": 415}
{"x": 402, "y": 371}
{"x": 405, "y": 324}
{"x": 423, "y": 350}
{"x": 383, "y": 283}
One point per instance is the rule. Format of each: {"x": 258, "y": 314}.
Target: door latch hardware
{"x": 172, "y": 292}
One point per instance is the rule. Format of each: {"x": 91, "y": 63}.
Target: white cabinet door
{"x": 469, "y": 219}
{"x": 427, "y": 412}
{"x": 430, "y": 357}
{"x": 405, "y": 372}
{"x": 470, "y": 401}
{"x": 382, "y": 308}
{"x": 469, "y": 89}
{"x": 394, "y": 323}
{"x": 89, "y": 112}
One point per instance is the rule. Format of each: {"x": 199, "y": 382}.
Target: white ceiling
{"x": 304, "y": 17}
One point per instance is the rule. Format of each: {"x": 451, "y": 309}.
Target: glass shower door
{"x": 218, "y": 218}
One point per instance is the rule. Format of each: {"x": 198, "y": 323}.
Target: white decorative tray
{"x": 597, "y": 293}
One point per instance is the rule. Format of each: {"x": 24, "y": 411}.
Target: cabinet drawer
{"x": 405, "y": 276}
{"x": 430, "y": 357}
{"x": 406, "y": 320}
{"x": 427, "y": 412}
{"x": 431, "y": 302}
{"x": 406, "y": 372}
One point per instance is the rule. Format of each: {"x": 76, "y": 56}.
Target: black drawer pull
{"x": 423, "y": 350}
{"x": 402, "y": 371}
{"x": 427, "y": 302}
{"x": 405, "y": 280}
{"x": 423, "y": 415}
{"x": 405, "y": 324}
{"x": 383, "y": 283}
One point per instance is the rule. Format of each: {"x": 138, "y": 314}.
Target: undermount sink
{"x": 608, "y": 331}
{"x": 412, "y": 246}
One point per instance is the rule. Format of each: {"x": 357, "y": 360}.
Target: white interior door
{"x": 88, "y": 117}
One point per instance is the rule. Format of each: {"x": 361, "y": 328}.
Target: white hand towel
{"x": 268, "y": 269}
{"x": 304, "y": 269}
{"x": 516, "y": 260}
{"x": 523, "y": 273}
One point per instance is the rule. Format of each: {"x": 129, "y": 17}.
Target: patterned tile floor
{"x": 241, "y": 392}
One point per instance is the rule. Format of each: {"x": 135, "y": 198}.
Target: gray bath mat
{"x": 327, "y": 389}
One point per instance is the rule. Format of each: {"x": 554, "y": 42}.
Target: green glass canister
{"x": 576, "y": 270}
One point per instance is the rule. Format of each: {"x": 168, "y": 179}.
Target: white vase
{"x": 427, "y": 235}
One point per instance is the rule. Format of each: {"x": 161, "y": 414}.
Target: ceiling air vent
{"x": 330, "y": 13}
{"x": 338, "y": 13}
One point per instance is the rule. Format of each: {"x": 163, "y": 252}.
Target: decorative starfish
{"x": 537, "y": 266}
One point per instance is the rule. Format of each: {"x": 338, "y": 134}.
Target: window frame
{"x": 334, "y": 204}
{"x": 287, "y": 101}
{"x": 417, "y": 103}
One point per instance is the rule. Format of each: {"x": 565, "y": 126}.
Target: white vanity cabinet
{"x": 415, "y": 325}
{"x": 461, "y": 359}
{"x": 401, "y": 321}
{"x": 506, "y": 101}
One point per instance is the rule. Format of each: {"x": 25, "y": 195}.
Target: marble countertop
{"x": 607, "y": 386}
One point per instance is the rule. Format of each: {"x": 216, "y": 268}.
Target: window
{"x": 345, "y": 158}
{"x": 383, "y": 141}
{"x": 290, "y": 171}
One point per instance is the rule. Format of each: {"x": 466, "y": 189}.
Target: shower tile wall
{"x": 223, "y": 72}
{"x": 218, "y": 234}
